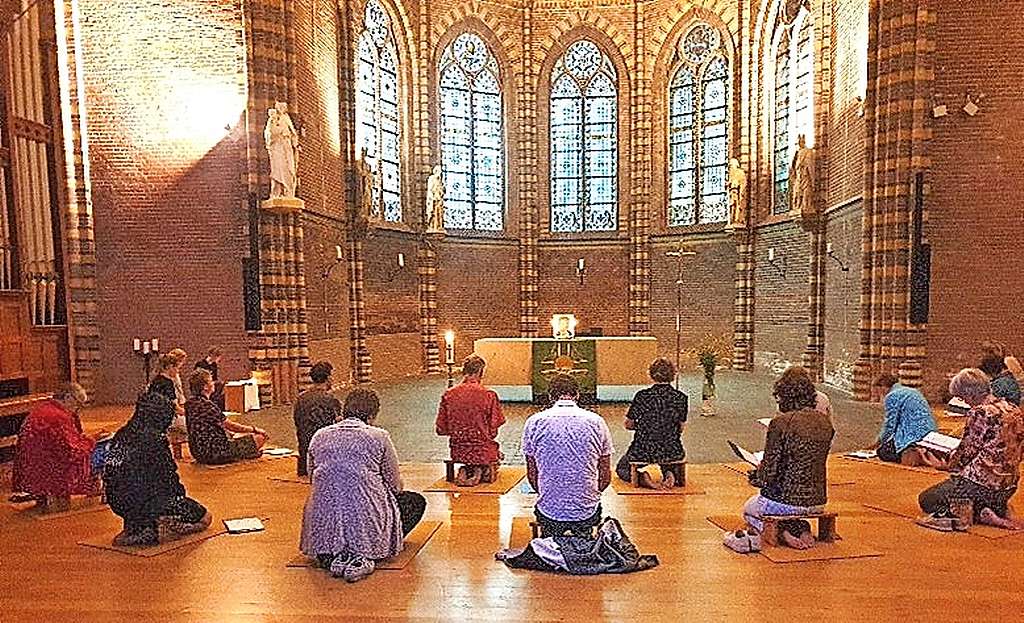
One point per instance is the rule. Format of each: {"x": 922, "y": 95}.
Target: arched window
{"x": 584, "y": 154}
{"x": 698, "y": 130}
{"x": 793, "y": 100}
{"x": 377, "y": 122}
{"x": 472, "y": 144}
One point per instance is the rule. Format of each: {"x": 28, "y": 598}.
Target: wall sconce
{"x": 778, "y": 262}
{"x": 399, "y": 265}
{"x": 581, "y": 269}
{"x": 449, "y": 354}
{"x": 831, "y": 252}
{"x": 147, "y": 349}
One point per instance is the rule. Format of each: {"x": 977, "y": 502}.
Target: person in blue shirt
{"x": 1004, "y": 384}
{"x": 908, "y": 418}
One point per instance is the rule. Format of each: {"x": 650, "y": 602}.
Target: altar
{"x": 609, "y": 369}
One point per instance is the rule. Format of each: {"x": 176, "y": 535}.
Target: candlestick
{"x": 136, "y": 345}
{"x": 156, "y": 345}
{"x": 145, "y": 347}
{"x": 449, "y": 347}
{"x": 579, "y": 264}
{"x": 337, "y": 252}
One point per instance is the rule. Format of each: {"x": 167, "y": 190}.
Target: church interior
{"x": 380, "y": 190}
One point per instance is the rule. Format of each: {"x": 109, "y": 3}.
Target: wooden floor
{"x": 923, "y": 575}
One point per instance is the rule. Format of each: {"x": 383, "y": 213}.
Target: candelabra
{"x": 147, "y": 349}
{"x": 449, "y": 355}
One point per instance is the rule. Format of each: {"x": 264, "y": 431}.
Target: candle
{"x": 156, "y": 345}
{"x": 771, "y": 254}
{"x": 145, "y": 347}
{"x": 136, "y": 345}
{"x": 579, "y": 265}
{"x": 337, "y": 252}
{"x": 401, "y": 260}
{"x": 828, "y": 248}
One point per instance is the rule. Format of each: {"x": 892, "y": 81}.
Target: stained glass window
{"x": 698, "y": 130}
{"x": 584, "y": 135}
{"x": 472, "y": 143}
{"x": 793, "y": 100}
{"x": 377, "y": 122}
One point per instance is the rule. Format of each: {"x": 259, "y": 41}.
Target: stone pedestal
{"x": 283, "y": 205}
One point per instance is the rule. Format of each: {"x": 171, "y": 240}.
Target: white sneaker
{"x": 742, "y": 541}
{"x": 339, "y": 563}
{"x": 358, "y": 568}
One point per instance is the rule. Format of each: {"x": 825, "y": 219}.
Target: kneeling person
{"x": 470, "y": 415}
{"x": 908, "y": 418}
{"x": 209, "y": 441}
{"x": 568, "y": 461}
{"x": 656, "y": 415}
{"x": 141, "y": 478}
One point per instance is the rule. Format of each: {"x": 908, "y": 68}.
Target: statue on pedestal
{"x": 801, "y": 180}
{"x": 435, "y": 201}
{"x": 737, "y": 194}
{"x": 364, "y": 199}
{"x": 282, "y": 145}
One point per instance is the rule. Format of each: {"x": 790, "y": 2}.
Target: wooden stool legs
{"x": 490, "y": 472}
{"x": 772, "y": 527}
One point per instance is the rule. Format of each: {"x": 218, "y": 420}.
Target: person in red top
{"x": 470, "y": 416}
{"x": 53, "y": 459}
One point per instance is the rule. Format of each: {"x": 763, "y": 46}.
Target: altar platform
{"x": 610, "y": 369}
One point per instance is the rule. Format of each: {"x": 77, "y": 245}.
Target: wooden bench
{"x": 826, "y": 527}
{"x": 490, "y": 471}
{"x": 678, "y": 467}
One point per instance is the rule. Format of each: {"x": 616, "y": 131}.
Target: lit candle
{"x": 136, "y": 345}
{"x": 828, "y": 248}
{"x": 449, "y": 346}
{"x": 401, "y": 260}
{"x": 579, "y": 265}
{"x": 145, "y": 347}
{"x": 337, "y": 252}
{"x": 771, "y": 254}
{"x": 156, "y": 345}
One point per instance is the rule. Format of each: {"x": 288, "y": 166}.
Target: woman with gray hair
{"x": 985, "y": 466}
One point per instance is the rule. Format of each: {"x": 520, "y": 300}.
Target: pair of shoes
{"x": 143, "y": 538}
{"x": 352, "y": 569}
{"x": 943, "y": 521}
{"x": 742, "y": 541}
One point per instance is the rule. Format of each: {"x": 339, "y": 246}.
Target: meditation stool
{"x": 680, "y": 469}
{"x": 177, "y": 441}
{"x": 490, "y": 473}
{"x": 826, "y": 527}
{"x": 535, "y": 530}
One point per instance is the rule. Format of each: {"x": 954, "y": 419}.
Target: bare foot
{"x": 647, "y": 482}
{"x": 990, "y": 518}
{"x": 796, "y": 542}
{"x": 668, "y": 480}
{"x": 808, "y": 539}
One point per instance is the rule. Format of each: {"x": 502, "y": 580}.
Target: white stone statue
{"x": 282, "y": 144}
{"x": 737, "y": 194}
{"x": 435, "y": 201}
{"x": 801, "y": 180}
{"x": 364, "y": 169}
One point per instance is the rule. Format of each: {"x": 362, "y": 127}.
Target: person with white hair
{"x": 985, "y": 467}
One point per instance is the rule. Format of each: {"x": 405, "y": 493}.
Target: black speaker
{"x": 252, "y": 297}
{"x": 920, "y": 283}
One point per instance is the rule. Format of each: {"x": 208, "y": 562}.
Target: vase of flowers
{"x": 708, "y": 355}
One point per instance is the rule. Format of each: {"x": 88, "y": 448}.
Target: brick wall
{"x": 845, "y": 118}
{"x": 477, "y": 295}
{"x": 708, "y": 291}
{"x": 974, "y": 206}
{"x": 842, "y": 295}
{"x": 781, "y": 294}
{"x": 163, "y": 81}
{"x": 602, "y": 300}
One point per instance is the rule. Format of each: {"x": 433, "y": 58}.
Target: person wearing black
{"x": 141, "y": 478}
{"x": 211, "y": 364}
{"x": 315, "y": 409}
{"x": 656, "y": 415}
